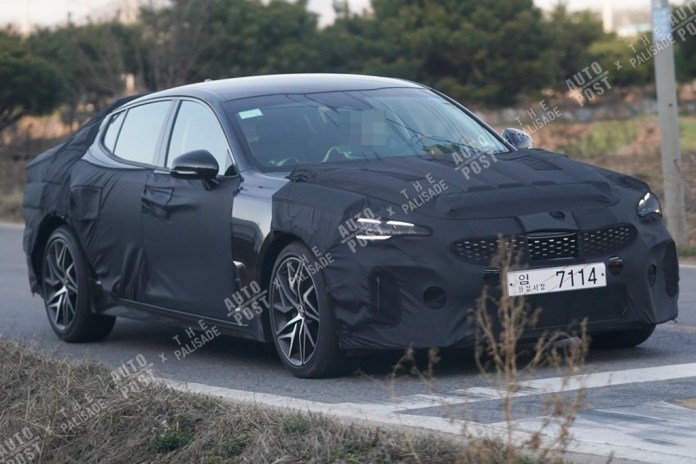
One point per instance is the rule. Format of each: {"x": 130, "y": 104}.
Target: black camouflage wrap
{"x": 381, "y": 292}
{"x": 48, "y": 178}
{"x": 378, "y": 289}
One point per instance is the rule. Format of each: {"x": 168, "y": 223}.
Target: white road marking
{"x": 550, "y": 385}
{"x": 659, "y": 432}
{"x": 652, "y": 433}
{"x": 682, "y": 328}
{"x": 596, "y": 380}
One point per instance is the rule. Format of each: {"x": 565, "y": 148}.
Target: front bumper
{"x": 401, "y": 293}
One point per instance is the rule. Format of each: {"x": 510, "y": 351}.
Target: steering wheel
{"x": 340, "y": 153}
{"x": 334, "y": 152}
{"x": 289, "y": 159}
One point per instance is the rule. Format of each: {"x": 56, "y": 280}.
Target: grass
{"x": 234, "y": 447}
{"x": 687, "y": 251}
{"x": 502, "y": 322}
{"x": 688, "y": 134}
{"x": 176, "y": 436}
{"x": 77, "y": 413}
{"x": 606, "y": 137}
{"x": 505, "y": 358}
{"x": 296, "y": 425}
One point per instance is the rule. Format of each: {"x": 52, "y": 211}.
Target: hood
{"x": 511, "y": 184}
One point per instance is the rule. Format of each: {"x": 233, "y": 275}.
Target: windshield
{"x": 289, "y": 130}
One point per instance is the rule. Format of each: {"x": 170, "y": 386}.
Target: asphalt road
{"x": 252, "y": 367}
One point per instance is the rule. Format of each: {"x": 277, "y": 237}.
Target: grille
{"x": 548, "y": 246}
{"x": 482, "y": 250}
{"x": 610, "y": 240}
{"x": 556, "y": 246}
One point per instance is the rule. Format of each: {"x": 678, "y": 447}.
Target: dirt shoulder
{"x": 58, "y": 411}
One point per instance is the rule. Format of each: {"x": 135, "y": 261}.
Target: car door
{"x": 187, "y": 224}
{"x": 105, "y": 196}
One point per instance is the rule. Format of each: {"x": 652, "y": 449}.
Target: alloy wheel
{"x": 295, "y": 309}
{"x": 60, "y": 284}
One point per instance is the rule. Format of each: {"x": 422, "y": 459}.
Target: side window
{"x": 197, "y": 128}
{"x": 113, "y": 129}
{"x": 137, "y": 140}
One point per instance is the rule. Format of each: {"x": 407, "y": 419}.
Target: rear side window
{"x": 112, "y": 131}
{"x": 139, "y": 132}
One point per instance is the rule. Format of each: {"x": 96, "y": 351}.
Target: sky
{"x": 52, "y": 12}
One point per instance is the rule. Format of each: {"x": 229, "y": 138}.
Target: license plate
{"x": 556, "y": 279}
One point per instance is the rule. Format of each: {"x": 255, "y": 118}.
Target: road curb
{"x": 580, "y": 452}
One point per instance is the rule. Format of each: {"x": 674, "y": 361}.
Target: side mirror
{"x": 197, "y": 164}
{"x": 518, "y": 138}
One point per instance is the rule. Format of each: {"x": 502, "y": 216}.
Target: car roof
{"x": 244, "y": 87}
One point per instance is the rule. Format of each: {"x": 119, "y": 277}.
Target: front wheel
{"x": 65, "y": 289}
{"x": 623, "y": 338}
{"x": 301, "y": 321}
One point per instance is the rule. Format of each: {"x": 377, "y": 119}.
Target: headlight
{"x": 374, "y": 229}
{"x": 648, "y": 205}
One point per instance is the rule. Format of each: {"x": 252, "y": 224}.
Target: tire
{"x": 300, "y": 314}
{"x": 623, "y": 338}
{"x": 66, "y": 292}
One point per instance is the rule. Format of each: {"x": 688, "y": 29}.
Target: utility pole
{"x": 668, "y": 110}
{"x": 26, "y": 24}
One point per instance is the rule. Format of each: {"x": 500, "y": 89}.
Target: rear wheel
{"x": 623, "y": 338}
{"x": 65, "y": 289}
{"x": 301, "y": 320}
